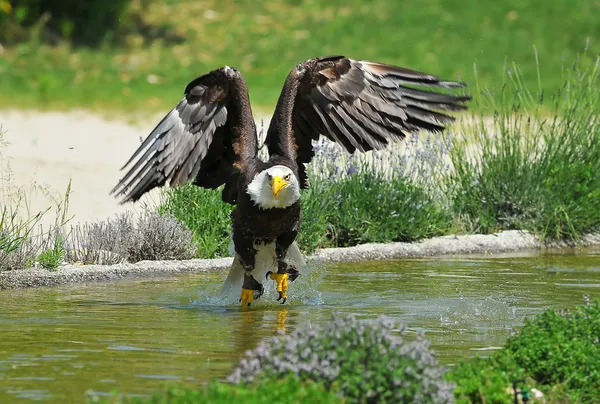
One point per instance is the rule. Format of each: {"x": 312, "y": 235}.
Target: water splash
{"x": 304, "y": 290}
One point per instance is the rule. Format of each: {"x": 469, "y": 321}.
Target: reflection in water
{"x": 58, "y": 343}
{"x": 281, "y": 319}
{"x": 245, "y": 328}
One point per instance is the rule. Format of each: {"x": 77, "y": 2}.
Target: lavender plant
{"x": 153, "y": 237}
{"x": 365, "y": 361}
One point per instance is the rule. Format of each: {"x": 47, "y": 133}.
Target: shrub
{"x": 561, "y": 347}
{"x": 205, "y": 214}
{"x": 364, "y": 361}
{"x": 284, "y": 391}
{"x": 372, "y": 208}
{"x": 154, "y": 237}
{"x": 523, "y": 166}
{"x": 557, "y": 352}
{"x": 87, "y": 22}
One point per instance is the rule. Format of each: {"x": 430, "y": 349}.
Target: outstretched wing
{"x": 208, "y": 137}
{"x": 358, "y": 104}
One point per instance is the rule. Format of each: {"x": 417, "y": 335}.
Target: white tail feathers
{"x": 265, "y": 261}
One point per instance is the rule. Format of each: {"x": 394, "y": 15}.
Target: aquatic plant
{"x": 558, "y": 352}
{"x": 366, "y": 361}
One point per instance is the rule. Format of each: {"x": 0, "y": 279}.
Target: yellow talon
{"x": 247, "y": 297}
{"x": 282, "y": 285}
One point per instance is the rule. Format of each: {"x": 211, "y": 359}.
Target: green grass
{"x": 361, "y": 208}
{"x": 203, "y": 212}
{"x": 557, "y": 352}
{"x": 284, "y": 391}
{"x": 160, "y": 46}
{"x": 532, "y": 167}
{"x": 518, "y": 164}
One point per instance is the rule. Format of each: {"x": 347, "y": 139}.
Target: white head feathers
{"x": 276, "y": 187}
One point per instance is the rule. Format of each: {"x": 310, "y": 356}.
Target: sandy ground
{"x": 50, "y": 149}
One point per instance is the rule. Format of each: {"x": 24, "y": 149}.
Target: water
{"x": 57, "y": 344}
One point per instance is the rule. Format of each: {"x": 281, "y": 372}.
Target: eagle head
{"x": 275, "y": 187}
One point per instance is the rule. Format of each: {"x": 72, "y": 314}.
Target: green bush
{"x": 285, "y": 391}
{"x": 529, "y": 167}
{"x": 366, "y": 361}
{"x": 557, "y": 351}
{"x": 205, "y": 214}
{"x": 87, "y": 22}
{"x": 372, "y": 208}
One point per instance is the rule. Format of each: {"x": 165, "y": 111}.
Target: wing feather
{"x": 199, "y": 131}
{"x": 359, "y": 104}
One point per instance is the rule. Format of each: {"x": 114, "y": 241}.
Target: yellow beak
{"x": 278, "y": 184}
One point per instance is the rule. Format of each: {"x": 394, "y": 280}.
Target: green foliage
{"x": 372, "y": 208}
{"x": 344, "y": 211}
{"x": 562, "y": 347}
{"x": 316, "y": 204}
{"x": 52, "y": 257}
{"x": 530, "y": 167}
{"x": 365, "y": 361}
{"x": 287, "y": 390}
{"x": 265, "y": 40}
{"x": 205, "y": 214}
{"x": 557, "y": 351}
{"x": 88, "y": 22}
{"x": 481, "y": 381}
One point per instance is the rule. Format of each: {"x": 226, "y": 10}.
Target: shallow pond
{"x": 58, "y": 344}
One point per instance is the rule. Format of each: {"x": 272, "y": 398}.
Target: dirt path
{"x": 51, "y": 148}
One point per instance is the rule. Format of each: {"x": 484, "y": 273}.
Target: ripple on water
{"x": 59, "y": 343}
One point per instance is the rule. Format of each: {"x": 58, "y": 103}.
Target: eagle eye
{"x": 287, "y": 177}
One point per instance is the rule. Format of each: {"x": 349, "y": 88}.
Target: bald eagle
{"x": 210, "y": 139}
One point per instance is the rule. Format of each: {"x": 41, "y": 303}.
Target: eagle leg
{"x": 284, "y": 273}
{"x": 251, "y": 289}
{"x": 281, "y": 281}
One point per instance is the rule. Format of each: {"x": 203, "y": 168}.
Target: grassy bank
{"x": 157, "y": 47}
{"x": 556, "y": 352}
{"x": 529, "y": 161}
